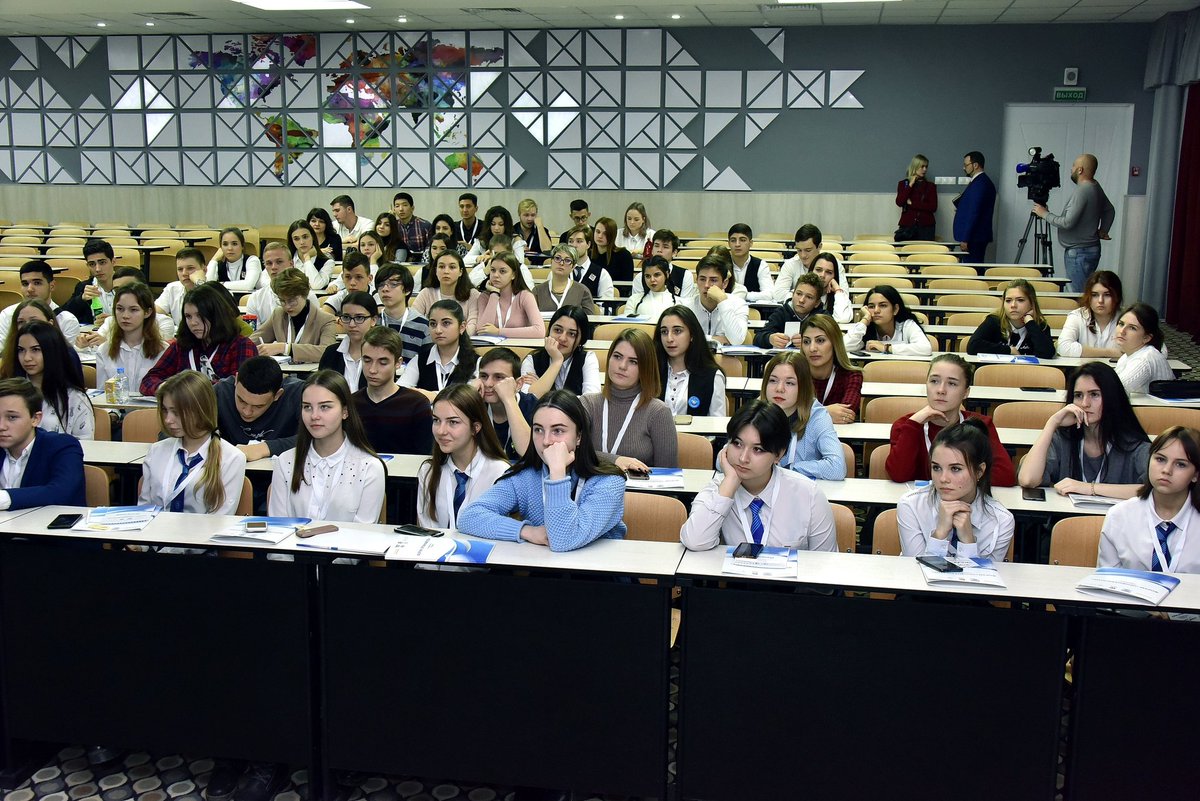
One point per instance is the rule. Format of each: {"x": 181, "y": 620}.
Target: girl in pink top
{"x": 509, "y": 309}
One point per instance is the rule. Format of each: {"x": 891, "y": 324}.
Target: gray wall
{"x": 937, "y": 90}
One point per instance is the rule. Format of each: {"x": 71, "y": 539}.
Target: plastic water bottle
{"x": 122, "y": 386}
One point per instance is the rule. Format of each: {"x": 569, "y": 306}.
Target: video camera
{"x": 1039, "y": 176}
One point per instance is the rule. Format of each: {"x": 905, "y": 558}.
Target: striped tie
{"x": 1163, "y": 530}
{"x": 756, "y": 525}
{"x": 188, "y": 465}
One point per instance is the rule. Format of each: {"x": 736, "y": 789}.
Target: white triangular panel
{"x": 515, "y": 170}
{"x": 726, "y": 179}
{"x": 563, "y": 48}
{"x": 602, "y": 48}
{"x": 683, "y": 89}
{"x": 714, "y": 123}
{"x": 487, "y": 129}
{"x": 673, "y": 164}
{"x": 525, "y": 89}
{"x": 773, "y": 39}
{"x": 839, "y": 82}
{"x": 764, "y": 89}
{"x": 155, "y": 123}
{"x": 603, "y": 170}
{"x": 28, "y": 60}
{"x": 532, "y": 122}
{"x": 603, "y": 90}
{"x": 562, "y": 124}
{"x": 519, "y": 43}
{"x": 603, "y": 129}
{"x": 756, "y": 123}
{"x": 806, "y": 89}
{"x": 641, "y": 130}
{"x": 673, "y": 135}
{"x": 564, "y": 170}
{"x": 641, "y": 171}
{"x": 341, "y": 169}
{"x": 51, "y": 98}
{"x": 480, "y": 82}
{"x": 676, "y": 56}
{"x": 90, "y": 102}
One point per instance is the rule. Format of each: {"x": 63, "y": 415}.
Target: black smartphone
{"x": 1035, "y": 494}
{"x": 1037, "y": 389}
{"x": 939, "y": 564}
{"x": 748, "y": 550}
{"x": 418, "y": 531}
{"x": 64, "y": 521}
{"x": 635, "y": 473}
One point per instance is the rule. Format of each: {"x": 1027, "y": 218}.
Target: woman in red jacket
{"x": 917, "y": 199}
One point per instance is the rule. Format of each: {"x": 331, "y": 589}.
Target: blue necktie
{"x": 756, "y": 525}
{"x": 187, "y": 465}
{"x": 954, "y": 539}
{"x": 1163, "y": 531}
{"x": 460, "y": 490}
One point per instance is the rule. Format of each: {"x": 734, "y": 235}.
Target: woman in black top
{"x": 328, "y": 240}
{"x": 1016, "y": 328}
{"x": 607, "y": 254}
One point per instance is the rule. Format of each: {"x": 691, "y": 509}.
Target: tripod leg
{"x": 1025, "y": 238}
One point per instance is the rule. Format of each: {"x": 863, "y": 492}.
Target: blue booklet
{"x": 1123, "y": 583}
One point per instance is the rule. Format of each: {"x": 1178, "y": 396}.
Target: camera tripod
{"x": 1043, "y": 252}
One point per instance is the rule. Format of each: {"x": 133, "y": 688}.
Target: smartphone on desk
{"x": 64, "y": 521}
{"x": 940, "y": 564}
{"x": 413, "y": 530}
{"x": 1036, "y": 389}
{"x": 748, "y": 550}
{"x": 1034, "y": 494}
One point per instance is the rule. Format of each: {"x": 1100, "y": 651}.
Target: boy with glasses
{"x": 393, "y": 285}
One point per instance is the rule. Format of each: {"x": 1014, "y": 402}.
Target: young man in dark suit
{"x": 973, "y": 210}
{"x": 37, "y": 467}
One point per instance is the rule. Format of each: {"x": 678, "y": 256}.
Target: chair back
{"x": 885, "y": 537}
{"x": 868, "y": 281}
{"x": 860, "y": 245}
{"x": 1024, "y": 414}
{"x": 1156, "y": 419}
{"x": 141, "y": 425}
{"x": 889, "y": 410}
{"x": 1013, "y": 272}
{"x": 103, "y": 432}
{"x": 1075, "y": 541}
{"x": 652, "y": 517}
{"x": 848, "y": 455}
{"x": 1020, "y": 375}
{"x": 975, "y": 284}
{"x": 847, "y": 528}
{"x": 966, "y": 318}
{"x": 246, "y": 499}
{"x": 948, "y": 270}
{"x": 879, "y": 269}
{"x": 96, "y": 486}
{"x": 878, "y": 465}
{"x": 695, "y": 452}
{"x": 990, "y": 302}
{"x": 607, "y": 332}
{"x": 1058, "y": 304}
{"x": 733, "y": 366}
{"x": 924, "y": 248}
{"x": 896, "y": 372}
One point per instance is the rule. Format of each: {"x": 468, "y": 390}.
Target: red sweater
{"x": 847, "y": 389}
{"x": 909, "y": 458}
{"x": 923, "y": 195}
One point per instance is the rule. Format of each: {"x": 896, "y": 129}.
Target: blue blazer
{"x": 974, "y": 209}
{"x": 54, "y": 474}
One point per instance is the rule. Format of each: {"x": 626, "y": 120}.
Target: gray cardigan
{"x": 1121, "y": 467}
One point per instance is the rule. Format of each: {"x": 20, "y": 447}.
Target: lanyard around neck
{"x": 624, "y": 426}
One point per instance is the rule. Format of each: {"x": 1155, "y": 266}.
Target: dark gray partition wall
{"x": 834, "y": 109}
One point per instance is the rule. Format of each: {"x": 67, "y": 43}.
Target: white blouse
{"x": 1136, "y": 370}
{"x": 471, "y": 258}
{"x": 133, "y": 359}
{"x": 1075, "y": 335}
{"x": 907, "y": 340}
{"x": 591, "y": 372}
{"x": 483, "y": 472}
{"x": 243, "y": 273}
{"x": 161, "y": 469}
{"x": 347, "y": 486}
{"x": 991, "y": 523}
{"x": 636, "y": 245}
{"x": 81, "y": 419}
{"x": 651, "y": 305}
{"x": 676, "y": 396}
{"x": 317, "y": 279}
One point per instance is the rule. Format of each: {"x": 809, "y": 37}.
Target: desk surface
{"x": 113, "y": 453}
{"x": 878, "y": 389}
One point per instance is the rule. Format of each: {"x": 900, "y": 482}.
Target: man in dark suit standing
{"x": 973, "y": 210}
{"x": 37, "y": 467}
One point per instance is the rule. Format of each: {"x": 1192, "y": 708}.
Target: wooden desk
{"x": 980, "y": 394}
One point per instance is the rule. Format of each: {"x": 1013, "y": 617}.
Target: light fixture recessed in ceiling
{"x": 303, "y": 5}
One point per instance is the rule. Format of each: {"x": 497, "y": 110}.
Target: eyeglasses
{"x": 357, "y": 319}
{"x": 563, "y": 260}
{"x": 390, "y": 285}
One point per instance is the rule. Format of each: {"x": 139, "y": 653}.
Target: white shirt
{"x": 81, "y": 419}
{"x": 675, "y": 393}
{"x": 412, "y": 370}
{"x": 479, "y": 274}
{"x": 67, "y": 323}
{"x": 1136, "y": 370}
{"x": 795, "y": 514}
{"x": 471, "y": 258}
{"x": 317, "y": 278}
{"x": 347, "y": 486}
{"x": 785, "y": 281}
{"x": 907, "y": 340}
{"x": 165, "y": 323}
{"x": 161, "y": 469}
{"x": 651, "y": 305}
{"x": 171, "y": 300}
{"x": 766, "y": 285}
{"x": 262, "y": 302}
{"x": 106, "y": 296}
{"x": 991, "y": 523}
{"x": 353, "y": 369}
{"x": 243, "y": 273}
{"x": 591, "y": 372}
{"x": 1128, "y": 538}
{"x": 1075, "y": 335}
{"x": 14, "y": 470}
{"x": 350, "y": 235}
{"x": 636, "y": 245}
{"x": 604, "y": 284}
{"x": 688, "y": 288}
{"x": 133, "y": 359}
{"x": 483, "y": 472}
{"x": 729, "y": 319}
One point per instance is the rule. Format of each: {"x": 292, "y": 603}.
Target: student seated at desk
{"x": 560, "y": 288}
{"x": 467, "y": 458}
{"x": 23, "y": 313}
{"x": 947, "y": 386}
{"x": 509, "y": 410}
{"x": 237, "y": 270}
{"x": 680, "y": 281}
{"x": 560, "y": 492}
{"x": 956, "y": 514}
{"x": 393, "y": 285}
{"x": 1016, "y": 328}
{"x": 655, "y": 294}
{"x": 1095, "y": 444}
{"x": 836, "y": 301}
{"x": 193, "y": 470}
{"x": 815, "y": 449}
{"x": 91, "y": 302}
{"x": 448, "y": 281}
{"x": 190, "y": 271}
{"x": 359, "y": 315}
{"x": 497, "y": 222}
{"x": 692, "y": 380}
{"x": 438, "y": 244}
{"x": 210, "y": 340}
{"x": 37, "y": 283}
{"x": 837, "y": 383}
{"x": 630, "y": 425}
{"x": 605, "y": 254}
{"x": 308, "y": 255}
{"x": 510, "y": 309}
{"x": 325, "y": 235}
{"x": 395, "y": 418}
{"x": 1141, "y": 340}
{"x": 803, "y": 304}
{"x": 448, "y": 359}
{"x": 887, "y": 326}
{"x": 1150, "y": 531}
{"x": 1089, "y": 330}
{"x": 590, "y": 274}
{"x": 754, "y": 498}
{"x": 40, "y": 354}
{"x": 370, "y": 246}
{"x": 565, "y": 359}
{"x": 37, "y": 467}
{"x": 128, "y": 276}
{"x": 134, "y": 342}
{"x": 297, "y": 328}
{"x": 258, "y": 410}
{"x": 332, "y": 473}
{"x": 723, "y": 314}
{"x": 355, "y": 277}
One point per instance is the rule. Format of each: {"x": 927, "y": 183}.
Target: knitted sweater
{"x": 651, "y": 436}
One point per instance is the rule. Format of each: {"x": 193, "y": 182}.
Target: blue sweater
{"x": 569, "y": 525}
{"x": 818, "y": 453}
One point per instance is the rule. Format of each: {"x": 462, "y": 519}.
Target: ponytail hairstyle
{"x": 196, "y": 404}
{"x": 663, "y": 266}
{"x": 587, "y": 463}
{"x": 1189, "y": 438}
{"x": 1030, "y": 293}
{"x": 352, "y": 425}
{"x": 805, "y": 394}
{"x": 152, "y": 343}
{"x": 970, "y": 438}
{"x": 470, "y": 403}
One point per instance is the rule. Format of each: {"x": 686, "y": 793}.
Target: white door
{"x": 1105, "y": 130}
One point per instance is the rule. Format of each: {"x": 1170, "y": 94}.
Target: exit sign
{"x": 1070, "y": 94}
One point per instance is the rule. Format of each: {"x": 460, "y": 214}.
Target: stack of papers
{"x": 660, "y": 478}
{"x": 1138, "y": 585}
{"x": 351, "y": 540}
{"x": 976, "y": 570}
{"x": 118, "y": 518}
{"x": 1008, "y": 358}
{"x": 746, "y": 350}
{"x": 278, "y": 530}
{"x": 772, "y": 562}
{"x": 1093, "y": 503}
{"x": 440, "y": 549}
{"x": 487, "y": 339}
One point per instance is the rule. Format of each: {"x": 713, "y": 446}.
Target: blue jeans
{"x": 1080, "y": 263}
